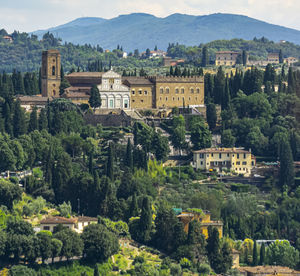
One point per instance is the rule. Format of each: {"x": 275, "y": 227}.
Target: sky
{"x": 32, "y": 15}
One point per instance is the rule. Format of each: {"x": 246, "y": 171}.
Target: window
{"x": 238, "y": 156}
{"x": 198, "y": 90}
{"x": 176, "y": 90}
{"x": 178, "y": 99}
{"x": 227, "y": 154}
{"x": 244, "y": 163}
{"x": 192, "y": 90}
{"x": 220, "y": 155}
{"x": 133, "y": 101}
{"x": 244, "y": 155}
{"x": 132, "y": 92}
{"x": 189, "y": 98}
{"x": 182, "y": 90}
{"x": 111, "y": 103}
{"x": 212, "y": 155}
{"x": 53, "y": 70}
{"x": 146, "y": 92}
{"x": 201, "y": 162}
{"x": 167, "y": 90}
{"x": 140, "y": 92}
{"x": 54, "y": 85}
{"x": 173, "y": 98}
{"x": 161, "y": 91}
{"x": 160, "y": 98}
{"x": 238, "y": 163}
{"x": 46, "y": 228}
{"x": 142, "y": 101}
{"x": 166, "y": 98}
{"x": 125, "y": 103}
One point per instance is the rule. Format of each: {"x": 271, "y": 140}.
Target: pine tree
{"x": 95, "y": 99}
{"x": 254, "y": 255}
{"x": 262, "y": 254}
{"x": 33, "y": 121}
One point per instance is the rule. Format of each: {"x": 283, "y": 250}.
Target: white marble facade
{"x": 113, "y": 93}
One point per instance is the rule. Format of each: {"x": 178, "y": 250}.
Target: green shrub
{"x": 185, "y": 263}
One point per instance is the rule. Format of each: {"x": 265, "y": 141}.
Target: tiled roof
{"x": 226, "y": 52}
{"x": 24, "y": 99}
{"x": 86, "y": 74}
{"x": 137, "y": 80}
{"x": 222, "y": 150}
{"x": 84, "y": 219}
{"x": 269, "y": 270}
{"x": 58, "y": 220}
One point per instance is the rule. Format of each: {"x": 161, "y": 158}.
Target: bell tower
{"x": 50, "y": 73}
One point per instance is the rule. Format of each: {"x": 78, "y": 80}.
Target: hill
{"x": 141, "y": 31}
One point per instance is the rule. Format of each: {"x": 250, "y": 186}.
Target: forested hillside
{"x": 24, "y": 53}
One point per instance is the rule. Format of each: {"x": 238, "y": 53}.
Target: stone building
{"x": 50, "y": 73}
{"x": 273, "y": 58}
{"x": 233, "y": 160}
{"x": 226, "y": 58}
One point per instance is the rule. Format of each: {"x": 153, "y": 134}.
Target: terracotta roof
{"x": 86, "y": 74}
{"x": 227, "y": 52}
{"x": 84, "y": 219}
{"x": 58, "y": 220}
{"x": 222, "y": 150}
{"x": 137, "y": 81}
{"x": 269, "y": 270}
{"x": 24, "y": 99}
{"x": 76, "y": 95}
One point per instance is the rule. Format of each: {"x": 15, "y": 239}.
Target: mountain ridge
{"x": 143, "y": 30}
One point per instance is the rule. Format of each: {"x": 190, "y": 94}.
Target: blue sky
{"x": 31, "y": 15}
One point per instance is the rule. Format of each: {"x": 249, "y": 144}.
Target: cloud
{"x": 31, "y": 15}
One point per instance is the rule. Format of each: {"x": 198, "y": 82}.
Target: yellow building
{"x": 226, "y": 58}
{"x": 204, "y": 218}
{"x": 141, "y": 92}
{"x": 235, "y": 160}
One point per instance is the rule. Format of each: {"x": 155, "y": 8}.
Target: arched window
{"x": 53, "y": 70}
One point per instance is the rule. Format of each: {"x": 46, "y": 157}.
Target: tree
{"x": 45, "y": 238}
{"x": 227, "y": 139}
{"x": 9, "y": 192}
{"x": 95, "y": 99}
{"x": 262, "y": 255}
{"x": 213, "y": 248}
{"x": 244, "y": 57}
{"x": 56, "y": 246}
{"x": 72, "y": 243}
{"x": 160, "y": 147}
{"x": 19, "y": 123}
{"x": 33, "y": 121}
{"x": 43, "y": 121}
{"x": 128, "y": 160}
{"x": 99, "y": 243}
{"x": 201, "y": 136}
{"x": 280, "y": 56}
{"x": 282, "y": 253}
{"x": 286, "y": 171}
{"x": 7, "y": 157}
{"x": 211, "y": 115}
{"x": 96, "y": 271}
{"x": 110, "y": 162}
{"x": 145, "y": 222}
{"x": 204, "y": 60}
{"x": 254, "y": 255}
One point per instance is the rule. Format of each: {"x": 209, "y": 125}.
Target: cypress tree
{"x": 19, "y": 123}
{"x": 110, "y": 163}
{"x": 262, "y": 258}
{"x": 204, "y": 60}
{"x": 145, "y": 223}
{"x": 33, "y": 121}
{"x": 280, "y": 56}
{"x": 19, "y": 85}
{"x": 7, "y": 119}
{"x": 95, "y": 99}
{"x": 286, "y": 171}
{"x": 40, "y": 80}
{"x": 133, "y": 211}
{"x": 211, "y": 115}
{"x": 128, "y": 160}
{"x": 96, "y": 271}
{"x": 43, "y": 121}
{"x": 291, "y": 81}
{"x": 244, "y": 57}
{"x": 254, "y": 255}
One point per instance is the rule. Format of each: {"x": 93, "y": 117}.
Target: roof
{"x": 222, "y": 150}
{"x": 269, "y": 269}
{"x": 58, "y": 220}
{"x": 86, "y": 74}
{"x": 227, "y": 52}
{"x": 24, "y": 99}
{"x": 76, "y": 95}
{"x": 84, "y": 219}
{"x": 137, "y": 81}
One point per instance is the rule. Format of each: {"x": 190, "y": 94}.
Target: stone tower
{"x": 50, "y": 73}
